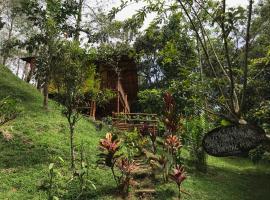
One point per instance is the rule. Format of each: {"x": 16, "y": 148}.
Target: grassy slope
{"x": 40, "y": 137}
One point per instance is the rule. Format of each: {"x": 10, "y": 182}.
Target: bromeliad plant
{"x": 178, "y": 175}
{"x": 173, "y": 144}
{"x": 147, "y": 131}
{"x": 110, "y": 146}
{"x": 112, "y": 157}
{"x": 171, "y": 118}
{"x": 167, "y": 160}
{"x": 126, "y": 166}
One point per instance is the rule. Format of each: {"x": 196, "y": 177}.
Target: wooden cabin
{"x": 124, "y": 83}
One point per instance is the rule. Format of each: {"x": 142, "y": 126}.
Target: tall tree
{"x": 74, "y": 68}
{"x": 50, "y": 20}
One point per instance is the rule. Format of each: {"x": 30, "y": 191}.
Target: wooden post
{"x": 126, "y": 110}
{"x": 92, "y": 113}
{"x": 118, "y": 92}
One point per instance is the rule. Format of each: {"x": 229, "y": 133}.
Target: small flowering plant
{"x": 173, "y": 143}
{"x": 178, "y": 175}
{"x": 109, "y": 146}
{"x": 170, "y": 115}
{"x": 126, "y": 167}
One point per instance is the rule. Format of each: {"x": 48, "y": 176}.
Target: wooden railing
{"x": 130, "y": 121}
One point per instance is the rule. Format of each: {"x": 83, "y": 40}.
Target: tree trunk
{"x": 39, "y": 85}
{"x": 93, "y": 110}
{"x": 30, "y": 74}
{"x": 46, "y": 94}
{"x": 72, "y": 156}
{"x": 78, "y": 21}
{"x": 246, "y": 56}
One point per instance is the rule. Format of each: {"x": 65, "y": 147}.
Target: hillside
{"x": 36, "y": 138}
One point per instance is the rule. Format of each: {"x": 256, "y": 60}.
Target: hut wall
{"x": 128, "y": 79}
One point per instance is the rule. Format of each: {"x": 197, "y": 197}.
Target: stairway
{"x": 145, "y": 188}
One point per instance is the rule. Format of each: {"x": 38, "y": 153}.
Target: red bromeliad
{"x": 173, "y": 143}
{"x": 109, "y": 143}
{"x": 169, "y": 101}
{"x": 126, "y": 166}
{"x": 108, "y": 158}
{"x": 171, "y": 117}
{"x": 178, "y": 176}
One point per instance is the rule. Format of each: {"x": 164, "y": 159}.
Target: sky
{"x": 131, "y": 9}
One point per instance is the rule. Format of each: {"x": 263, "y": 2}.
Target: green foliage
{"x": 111, "y": 54}
{"x": 40, "y": 136}
{"x": 83, "y": 172}
{"x": 256, "y": 154}
{"x": 258, "y": 103}
{"x": 9, "y": 110}
{"x": 103, "y": 97}
{"x": 164, "y": 52}
{"x": 52, "y": 183}
{"x": 74, "y": 68}
{"x": 195, "y": 128}
{"x": 150, "y": 100}
{"x": 134, "y": 143}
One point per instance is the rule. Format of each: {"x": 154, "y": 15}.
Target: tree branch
{"x": 246, "y": 55}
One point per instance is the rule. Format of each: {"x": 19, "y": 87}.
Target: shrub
{"x": 126, "y": 167}
{"x": 195, "y": 130}
{"x": 150, "y": 101}
{"x": 256, "y": 154}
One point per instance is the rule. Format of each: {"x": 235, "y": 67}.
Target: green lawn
{"x": 40, "y": 137}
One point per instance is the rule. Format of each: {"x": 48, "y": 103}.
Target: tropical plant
{"x": 74, "y": 68}
{"x": 195, "y": 129}
{"x": 173, "y": 143}
{"x": 147, "y": 130}
{"x": 178, "y": 175}
{"x": 110, "y": 146}
{"x": 126, "y": 167}
{"x": 83, "y": 172}
{"x": 134, "y": 143}
{"x": 171, "y": 118}
{"x": 150, "y": 101}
